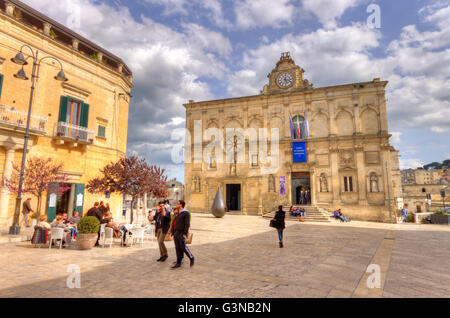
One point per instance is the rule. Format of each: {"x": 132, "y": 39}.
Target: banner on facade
{"x": 283, "y": 185}
{"x": 299, "y": 152}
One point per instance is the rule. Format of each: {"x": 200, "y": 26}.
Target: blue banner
{"x": 299, "y": 152}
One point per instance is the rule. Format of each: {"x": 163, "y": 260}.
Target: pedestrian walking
{"x": 162, "y": 224}
{"x": 404, "y": 213}
{"x": 181, "y": 225}
{"x": 26, "y": 209}
{"x": 279, "y": 223}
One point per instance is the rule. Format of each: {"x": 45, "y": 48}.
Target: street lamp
{"x": 21, "y": 60}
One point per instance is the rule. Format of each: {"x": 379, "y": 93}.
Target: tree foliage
{"x": 41, "y": 175}
{"x": 130, "y": 176}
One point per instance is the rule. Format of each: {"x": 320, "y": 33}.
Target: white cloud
{"x": 260, "y": 13}
{"x": 412, "y": 163}
{"x": 329, "y": 57}
{"x": 328, "y": 12}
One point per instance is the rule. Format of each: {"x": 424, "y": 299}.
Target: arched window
{"x": 298, "y": 127}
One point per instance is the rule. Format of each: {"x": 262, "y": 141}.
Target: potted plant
{"x": 53, "y": 34}
{"x": 88, "y": 227}
{"x": 60, "y": 134}
{"x": 91, "y": 140}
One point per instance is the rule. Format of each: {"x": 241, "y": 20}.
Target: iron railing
{"x": 17, "y": 118}
{"x": 74, "y": 132}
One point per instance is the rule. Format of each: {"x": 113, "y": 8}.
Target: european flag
{"x": 307, "y": 125}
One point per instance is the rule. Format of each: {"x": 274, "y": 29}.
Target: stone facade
{"x": 415, "y": 197}
{"x": 99, "y": 90}
{"x": 348, "y": 149}
{"x": 422, "y": 176}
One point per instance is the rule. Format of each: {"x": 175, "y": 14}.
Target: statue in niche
{"x": 197, "y": 185}
{"x": 323, "y": 183}
{"x": 272, "y": 183}
{"x": 373, "y": 183}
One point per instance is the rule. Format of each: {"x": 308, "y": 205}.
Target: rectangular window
{"x": 254, "y": 160}
{"x": 73, "y": 111}
{"x": 348, "y": 184}
{"x": 212, "y": 162}
{"x": 101, "y": 131}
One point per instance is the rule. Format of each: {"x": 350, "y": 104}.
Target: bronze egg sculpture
{"x": 218, "y": 206}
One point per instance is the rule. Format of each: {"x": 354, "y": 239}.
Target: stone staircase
{"x": 313, "y": 214}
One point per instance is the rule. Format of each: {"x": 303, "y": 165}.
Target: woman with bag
{"x": 278, "y": 223}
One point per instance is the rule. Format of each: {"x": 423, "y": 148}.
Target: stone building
{"x": 417, "y": 197}
{"x": 176, "y": 192}
{"x": 82, "y": 122}
{"x": 421, "y": 176}
{"x": 337, "y": 148}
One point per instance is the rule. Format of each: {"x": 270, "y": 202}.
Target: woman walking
{"x": 279, "y": 223}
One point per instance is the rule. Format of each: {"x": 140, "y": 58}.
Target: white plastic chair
{"x": 109, "y": 236}
{"x": 137, "y": 233}
{"x": 102, "y": 234}
{"x": 56, "y": 234}
{"x": 149, "y": 232}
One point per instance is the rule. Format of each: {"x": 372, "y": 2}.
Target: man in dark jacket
{"x": 95, "y": 212}
{"x": 162, "y": 224}
{"x": 280, "y": 224}
{"x": 180, "y": 227}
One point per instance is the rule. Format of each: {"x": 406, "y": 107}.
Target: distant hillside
{"x": 436, "y": 165}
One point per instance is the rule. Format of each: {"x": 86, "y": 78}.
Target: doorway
{"x": 301, "y": 188}
{"x": 233, "y": 197}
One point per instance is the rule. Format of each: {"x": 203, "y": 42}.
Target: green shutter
{"x": 51, "y": 211}
{"x": 63, "y": 109}
{"x": 1, "y": 84}
{"x": 84, "y": 118}
{"x": 101, "y": 131}
{"x": 79, "y": 192}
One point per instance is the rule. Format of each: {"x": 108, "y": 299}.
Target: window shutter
{"x": 63, "y": 109}
{"x": 101, "y": 131}
{"x": 1, "y": 84}
{"x": 84, "y": 118}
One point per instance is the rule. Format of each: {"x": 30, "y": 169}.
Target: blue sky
{"x": 206, "y": 49}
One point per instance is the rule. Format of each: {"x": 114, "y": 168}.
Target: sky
{"x": 180, "y": 50}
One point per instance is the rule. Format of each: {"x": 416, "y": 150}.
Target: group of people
{"x": 296, "y": 211}
{"x": 304, "y": 197}
{"x": 103, "y": 213}
{"x": 176, "y": 223}
{"x": 337, "y": 214}
{"x": 61, "y": 221}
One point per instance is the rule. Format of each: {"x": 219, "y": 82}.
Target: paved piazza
{"x": 238, "y": 256}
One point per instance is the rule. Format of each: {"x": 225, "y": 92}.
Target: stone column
{"x": 383, "y": 113}
{"x": 10, "y": 8}
{"x": 4, "y": 193}
{"x": 71, "y": 200}
{"x": 313, "y": 187}
{"x": 75, "y": 44}
{"x": 47, "y": 28}
{"x": 335, "y": 182}
{"x": 361, "y": 172}
{"x": 356, "y": 117}
{"x": 332, "y": 113}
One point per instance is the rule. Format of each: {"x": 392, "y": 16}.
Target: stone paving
{"x": 238, "y": 256}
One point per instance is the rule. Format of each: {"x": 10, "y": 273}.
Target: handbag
{"x": 273, "y": 223}
{"x": 168, "y": 237}
{"x": 189, "y": 238}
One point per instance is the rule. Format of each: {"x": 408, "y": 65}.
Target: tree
{"x": 130, "y": 176}
{"x": 41, "y": 175}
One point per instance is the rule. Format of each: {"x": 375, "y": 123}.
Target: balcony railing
{"x": 74, "y": 132}
{"x": 17, "y": 118}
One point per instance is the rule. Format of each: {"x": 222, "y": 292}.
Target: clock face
{"x": 285, "y": 80}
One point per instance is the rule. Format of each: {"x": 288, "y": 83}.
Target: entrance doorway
{"x": 68, "y": 202}
{"x": 301, "y": 188}
{"x": 233, "y": 197}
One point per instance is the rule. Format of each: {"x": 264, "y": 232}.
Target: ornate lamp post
{"x": 21, "y": 60}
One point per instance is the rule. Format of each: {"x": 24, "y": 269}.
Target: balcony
{"x": 73, "y": 133}
{"x": 17, "y": 120}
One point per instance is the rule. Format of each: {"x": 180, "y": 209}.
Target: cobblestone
{"x": 238, "y": 256}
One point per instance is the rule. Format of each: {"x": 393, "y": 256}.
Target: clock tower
{"x": 286, "y": 76}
